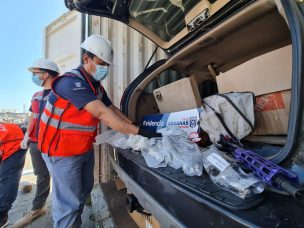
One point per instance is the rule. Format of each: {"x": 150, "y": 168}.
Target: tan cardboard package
{"x": 271, "y": 113}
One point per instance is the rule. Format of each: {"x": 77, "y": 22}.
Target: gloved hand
{"x": 25, "y": 142}
{"x": 148, "y": 133}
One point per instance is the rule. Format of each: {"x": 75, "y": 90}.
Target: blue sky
{"x": 22, "y": 24}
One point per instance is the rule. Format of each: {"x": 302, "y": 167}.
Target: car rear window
{"x": 164, "y": 18}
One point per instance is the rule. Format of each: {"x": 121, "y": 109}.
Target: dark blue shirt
{"x": 79, "y": 92}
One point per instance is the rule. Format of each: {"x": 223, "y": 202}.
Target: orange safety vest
{"x": 11, "y": 136}
{"x": 36, "y": 102}
{"x": 65, "y": 130}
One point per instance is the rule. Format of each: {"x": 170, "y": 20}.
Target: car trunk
{"x": 245, "y": 53}
{"x": 236, "y": 56}
{"x": 245, "y": 45}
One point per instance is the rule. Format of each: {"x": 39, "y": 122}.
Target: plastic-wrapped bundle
{"x": 123, "y": 141}
{"x": 173, "y": 149}
{"x": 184, "y": 153}
{"x": 223, "y": 173}
{"x": 154, "y": 155}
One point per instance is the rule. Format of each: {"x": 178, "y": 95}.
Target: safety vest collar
{"x": 39, "y": 96}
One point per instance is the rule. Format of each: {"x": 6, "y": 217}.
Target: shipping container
{"x": 62, "y": 39}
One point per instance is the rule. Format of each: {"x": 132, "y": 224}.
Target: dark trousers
{"x": 43, "y": 177}
{"x": 10, "y": 174}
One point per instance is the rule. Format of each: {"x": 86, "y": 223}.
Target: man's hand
{"x": 25, "y": 142}
{"x": 148, "y": 133}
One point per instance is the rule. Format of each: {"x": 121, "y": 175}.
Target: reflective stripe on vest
{"x": 66, "y": 125}
{"x": 57, "y": 111}
{"x": 65, "y": 130}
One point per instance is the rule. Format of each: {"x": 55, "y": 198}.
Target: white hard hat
{"x": 99, "y": 46}
{"x": 44, "y": 64}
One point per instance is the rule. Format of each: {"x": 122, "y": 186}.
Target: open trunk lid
{"x": 169, "y": 24}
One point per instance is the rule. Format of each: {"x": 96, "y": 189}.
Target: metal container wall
{"x": 62, "y": 39}
{"x": 132, "y": 52}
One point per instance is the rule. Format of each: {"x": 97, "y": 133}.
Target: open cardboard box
{"x": 178, "y": 96}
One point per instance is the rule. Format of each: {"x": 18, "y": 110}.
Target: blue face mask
{"x": 36, "y": 80}
{"x": 101, "y": 72}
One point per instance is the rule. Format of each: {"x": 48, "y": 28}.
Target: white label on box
{"x": 218, "y": 161}
{"x": 186, "y": 120}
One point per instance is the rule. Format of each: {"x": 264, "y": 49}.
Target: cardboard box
{"x": 143, "y": 221}
{"x": 186, "y": 120}
{"x": 179, "y": 95}
{"x": 272, "y": 113}
{"x": 264, "y": 74}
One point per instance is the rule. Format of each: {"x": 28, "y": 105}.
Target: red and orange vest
{"x": 65, "y": 130}
{"x": 37, "y": 99}
{"x": 11, "y": 136}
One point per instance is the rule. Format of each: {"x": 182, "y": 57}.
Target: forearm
{"x": 115, "y": 122}
{"x": 110, "y": 118}
{"x": 120, "y": 114}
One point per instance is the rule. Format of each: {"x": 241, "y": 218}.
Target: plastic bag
{"x": 225, "y": 174}
{"x": 173, "y": 149}
{"x": 154, "y": 155}
{"x": 123, "y": 141}
{"x": 184, "y": 153}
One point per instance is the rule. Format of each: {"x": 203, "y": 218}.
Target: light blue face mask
{"x": 36, "y": 80}
{"x": 101, "y": 72}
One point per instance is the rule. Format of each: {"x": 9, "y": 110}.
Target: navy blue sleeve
{"x": 77, "y": 91}
{"x": 105, "y": 99}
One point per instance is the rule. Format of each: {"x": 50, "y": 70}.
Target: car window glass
{"x": 164, "y": 18}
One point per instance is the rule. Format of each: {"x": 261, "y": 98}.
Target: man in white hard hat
{"x": 44, "y": 71}
{"x": 68, "y": 127}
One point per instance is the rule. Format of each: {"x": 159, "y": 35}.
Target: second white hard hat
{"x": 44, "y": 64}
{"x": 99, "y": 46}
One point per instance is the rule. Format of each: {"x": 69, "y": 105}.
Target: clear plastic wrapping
{"x": 173, "y": 149}
{"x": 226, "y": 174}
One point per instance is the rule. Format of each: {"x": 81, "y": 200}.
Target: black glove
{"x": 148, "y": 133}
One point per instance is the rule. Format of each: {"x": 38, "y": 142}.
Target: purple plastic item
{"x": 267, "y": 170}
